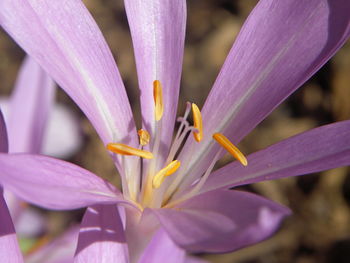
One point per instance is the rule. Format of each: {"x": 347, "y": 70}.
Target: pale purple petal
{"x": 29, "y": 222}
{"x": 320, "y": 149}
{"x": 221, "y": 221}
{"x": 163, "y": 249}
{"x": 101, "y": 237}
{"x": 64, "y": 38}
{"x": 63, "y": 136}
{"x": 158, "y": 34}
{"x": 3, "y": 134}
{"x": 60, "y": 250}
{"x": 54, "y": 184}
{"x": 9, "y": 249}
{"x": 279, "y": 47}
{"x": 30, "y": 104}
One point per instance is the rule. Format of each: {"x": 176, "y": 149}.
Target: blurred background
{"x": 319, "y": 229}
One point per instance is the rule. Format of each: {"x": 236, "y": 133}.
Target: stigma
{"x": 232, "y": 149}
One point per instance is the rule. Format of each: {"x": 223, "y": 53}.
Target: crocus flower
{"x": 9, "y": 249}
{"x": 30, "y": 130}
{"x": 27, "y": 113}
{"x": 280, "y": 46}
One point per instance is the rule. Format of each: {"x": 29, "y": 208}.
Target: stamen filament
{"x": 144, "y": 137}
{"x": 166, "y": 171}
{"x": 198, "y": 123}
{"x": 124, "y": 149}
{"x": 198, "y": 186}
{"x": 228, "y": 146}
{"x": 158, "y": 99}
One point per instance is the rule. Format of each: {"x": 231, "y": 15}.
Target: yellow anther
{"x": 144, "y": 137}
{"x": 198, "y": 123}
{"x": 233, "y": 150}
{"x": 158, "y": 99}
{"x": 124, "y": 149}
{"x": 166, "y": 171}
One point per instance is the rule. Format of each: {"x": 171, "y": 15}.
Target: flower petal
{"x": 316, "y": 150}
{"x": 60, "y": 250}
{"x": 9, "y": 249}
{"x": 101, "y": 237}
{"x": 52, "y": 183}
{"x": 158, "y": 34}
{"x": 269, "y": 60}
{"x": 3, "y": 134}
{"x": 63, "y": 37}
{"x": 159, "y": 249}
{"x": 30, "y": 104}
{"x": 221, "y": 221}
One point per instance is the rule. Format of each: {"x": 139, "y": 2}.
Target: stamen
{"x": 228, "y": 146}
{"x": 158, "y": 99}
{"x": 198, "y": 124}
{"x": 124, "y": 149}
{"x": 144, "y": 137}
{"x": 197, "y": 187}
{"x": 168, "y": 170}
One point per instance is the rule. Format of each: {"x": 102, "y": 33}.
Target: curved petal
{"x": 30, "y": 104}
{"x": 9, "y": 249}
{"x": 3, "y": 134}
{"x": 54, "y": 184}
{"x": 158, "y": 34}
{"x": 269, "y": 60}
{"x": 159, "y": 249}
{"x": 320, "y": 149}
{"x": 65, "y": 40}
{"x": 221, "y": 221}
{"x": 60, "y": 250}
{"x": 101, "y": 237}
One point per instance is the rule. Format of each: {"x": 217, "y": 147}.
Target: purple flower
{"x": 279, "y": 47}
{"x": 9, "y": 249}
{"x": 27, "y": 114}
{"x": 29, "y": 127}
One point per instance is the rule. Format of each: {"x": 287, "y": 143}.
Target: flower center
{"x": 154, "y": 189}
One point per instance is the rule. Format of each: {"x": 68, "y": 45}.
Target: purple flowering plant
{"x": 280, "y": 46}
{"x": 27, "y": 114}
{"x": 24, "y": 133}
